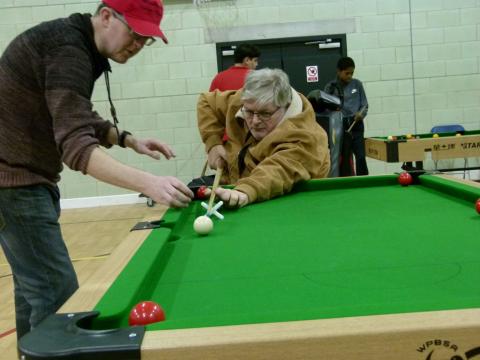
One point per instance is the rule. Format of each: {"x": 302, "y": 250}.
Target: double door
{"x": 310, "y": 62}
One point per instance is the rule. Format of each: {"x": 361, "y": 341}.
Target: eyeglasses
{"x": 144, "y": 40}
{"x": 263, "y": 116}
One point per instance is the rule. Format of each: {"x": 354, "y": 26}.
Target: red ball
{"x": 405, "y": 179}
{"x": 146, "y": 312}
{"x": 477, "y": 206}
{"x": 201, "y": 191}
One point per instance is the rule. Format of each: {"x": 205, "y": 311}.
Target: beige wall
{"x": 419, "y": 61}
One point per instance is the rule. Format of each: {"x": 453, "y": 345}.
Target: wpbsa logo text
{"x": 439, "y": 349}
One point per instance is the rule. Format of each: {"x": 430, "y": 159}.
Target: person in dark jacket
{"x": 47, "y": 75}
{"x": 354, "y": 108}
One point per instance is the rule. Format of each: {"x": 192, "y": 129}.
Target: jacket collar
{"x": 295, "y": 107}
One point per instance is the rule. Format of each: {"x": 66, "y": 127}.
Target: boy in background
{"x": 354, "y": 108}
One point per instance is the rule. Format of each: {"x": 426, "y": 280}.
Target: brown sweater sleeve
{"x": 47, "y": 75}
{"x": 77, "y": 128}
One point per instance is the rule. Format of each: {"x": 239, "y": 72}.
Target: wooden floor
{"x": 90, "y": 234}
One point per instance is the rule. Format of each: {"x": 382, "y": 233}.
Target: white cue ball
{"x": 203, "y": 225}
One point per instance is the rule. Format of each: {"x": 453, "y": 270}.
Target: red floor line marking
{"x": 6, "y": 333}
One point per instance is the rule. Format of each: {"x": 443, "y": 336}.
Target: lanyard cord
{"x": 112, "y": 107}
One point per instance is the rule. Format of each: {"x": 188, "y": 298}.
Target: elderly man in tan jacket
{"x": 274, "y": 140}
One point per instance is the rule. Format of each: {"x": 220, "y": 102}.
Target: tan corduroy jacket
{"x": 297, "y": 149}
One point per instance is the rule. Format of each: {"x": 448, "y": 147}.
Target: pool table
{"x": 347, "y": 268}
{"x": 414, "y": 150}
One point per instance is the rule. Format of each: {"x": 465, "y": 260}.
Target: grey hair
{"x": 267, "y": 86}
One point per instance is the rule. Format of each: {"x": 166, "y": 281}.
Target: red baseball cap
{"x": 143, "y": 16}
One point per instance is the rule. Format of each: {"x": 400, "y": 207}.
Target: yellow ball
{"x": 390, "y": 137}
{"x": 458, "y": 134}
{"x": 436, "y": 135}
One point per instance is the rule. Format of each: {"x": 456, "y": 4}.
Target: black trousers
{"x": 358, "y": 145}
{"x": 358, "y": 149}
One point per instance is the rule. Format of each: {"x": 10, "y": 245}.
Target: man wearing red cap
{"x": 47, "y": 76}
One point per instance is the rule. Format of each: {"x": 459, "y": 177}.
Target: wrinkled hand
{"x": 152, "y": 148}
{"x": 231, "y": 198}
{"x": 358, "y": 117}
{"x": 169, "y": 191}
{"x": 217, "y": 157}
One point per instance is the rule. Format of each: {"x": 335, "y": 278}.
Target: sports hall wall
{"x": 419, "y": 61}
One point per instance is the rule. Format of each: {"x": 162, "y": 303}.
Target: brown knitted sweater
{"x": 47, "y": 76}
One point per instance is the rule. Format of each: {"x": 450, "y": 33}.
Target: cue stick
{"x": 204, "y": 169}
{"x": 351, "y": 126}
{"x": 216, "y": 181}
{"x": 362, "y": 111}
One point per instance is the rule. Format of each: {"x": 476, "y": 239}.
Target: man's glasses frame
{"x": 263, "y": 116}
{"x": 144, "y": 40}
